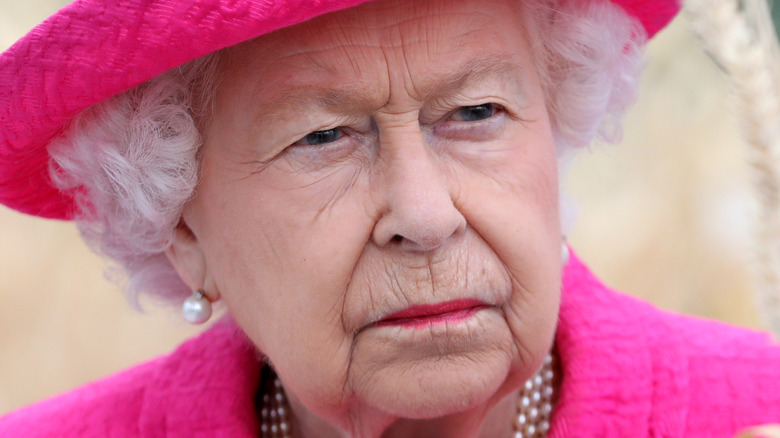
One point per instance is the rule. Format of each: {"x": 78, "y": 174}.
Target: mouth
{"x": 424, "y": 315}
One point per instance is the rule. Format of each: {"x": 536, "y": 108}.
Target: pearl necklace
{"x": 534, "y": 405}
{"x": 273, "y": 407}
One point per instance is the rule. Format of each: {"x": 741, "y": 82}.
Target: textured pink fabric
{"x": 94, "y": 49}
{"x": 206, "y": 388}
{"x": 629, "y": 370}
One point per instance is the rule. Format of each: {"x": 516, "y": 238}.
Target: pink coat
{"x": 630, "y": 370}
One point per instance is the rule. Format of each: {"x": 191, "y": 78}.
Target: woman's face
{"x": 378, "y": 207}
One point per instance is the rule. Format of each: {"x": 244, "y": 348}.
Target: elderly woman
{"x": 372, "y": 192}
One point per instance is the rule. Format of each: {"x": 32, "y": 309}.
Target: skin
{"x": 431, "y": 176}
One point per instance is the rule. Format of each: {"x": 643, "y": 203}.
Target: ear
{"x": 187, "y": 257}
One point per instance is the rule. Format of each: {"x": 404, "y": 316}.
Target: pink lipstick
{"x": 427, "y": 314}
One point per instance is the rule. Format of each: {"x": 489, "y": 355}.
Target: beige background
{"x": 665, "y": 216}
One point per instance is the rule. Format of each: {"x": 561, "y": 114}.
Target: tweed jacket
{"x": 629, "y": 370}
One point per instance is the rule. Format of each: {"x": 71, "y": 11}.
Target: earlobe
{"x": 187, "y": 257}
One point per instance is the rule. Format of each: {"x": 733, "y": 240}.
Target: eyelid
{"x": 437, "y": 109}
{"x": 347, "y": 124}
{"x": 495, "y": 107}
{"x": 473, "y": 131}
{"x": 339, "y": 129}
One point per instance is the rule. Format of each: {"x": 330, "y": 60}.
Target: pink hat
{"x": 93, "y": 49}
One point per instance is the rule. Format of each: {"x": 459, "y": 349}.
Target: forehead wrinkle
{"x": 356, "y": 98}
{"x": 347, "y": 99}
{"x": 472, "y": 71}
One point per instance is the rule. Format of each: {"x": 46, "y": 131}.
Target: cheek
{"x": 514, "y": 208}
{"x": 282, "y": 259}
{"x": 514, "y": 192}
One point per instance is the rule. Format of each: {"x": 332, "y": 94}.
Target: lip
{"x": 423, "y": 315}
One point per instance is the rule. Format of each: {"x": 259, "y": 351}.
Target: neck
{"x": 482, "y": 422}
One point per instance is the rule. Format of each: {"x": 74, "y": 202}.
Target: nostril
{"x": 397, "y": 238}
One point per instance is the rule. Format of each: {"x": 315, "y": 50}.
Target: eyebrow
{"x": 346, "y": 97}
{"x": 474, "y": 70}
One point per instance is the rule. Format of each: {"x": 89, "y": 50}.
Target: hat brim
{"x": 93, "y": 49}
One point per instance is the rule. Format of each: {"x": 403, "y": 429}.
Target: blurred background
{"x": 665, "y": 215}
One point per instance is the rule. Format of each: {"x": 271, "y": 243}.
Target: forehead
{"x": 416, "y": 44}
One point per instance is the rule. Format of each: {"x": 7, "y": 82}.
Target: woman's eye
{"x": 475, "y": 113}
{"x": 321, "y": 137}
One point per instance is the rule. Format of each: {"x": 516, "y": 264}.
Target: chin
{"x": 438, "y": 386}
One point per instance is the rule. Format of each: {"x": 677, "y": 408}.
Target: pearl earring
{"x": 197, "y": 307}
{"x": 564, "y": 253}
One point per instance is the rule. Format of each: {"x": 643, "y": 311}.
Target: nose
{"x": 417, "y": 212}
